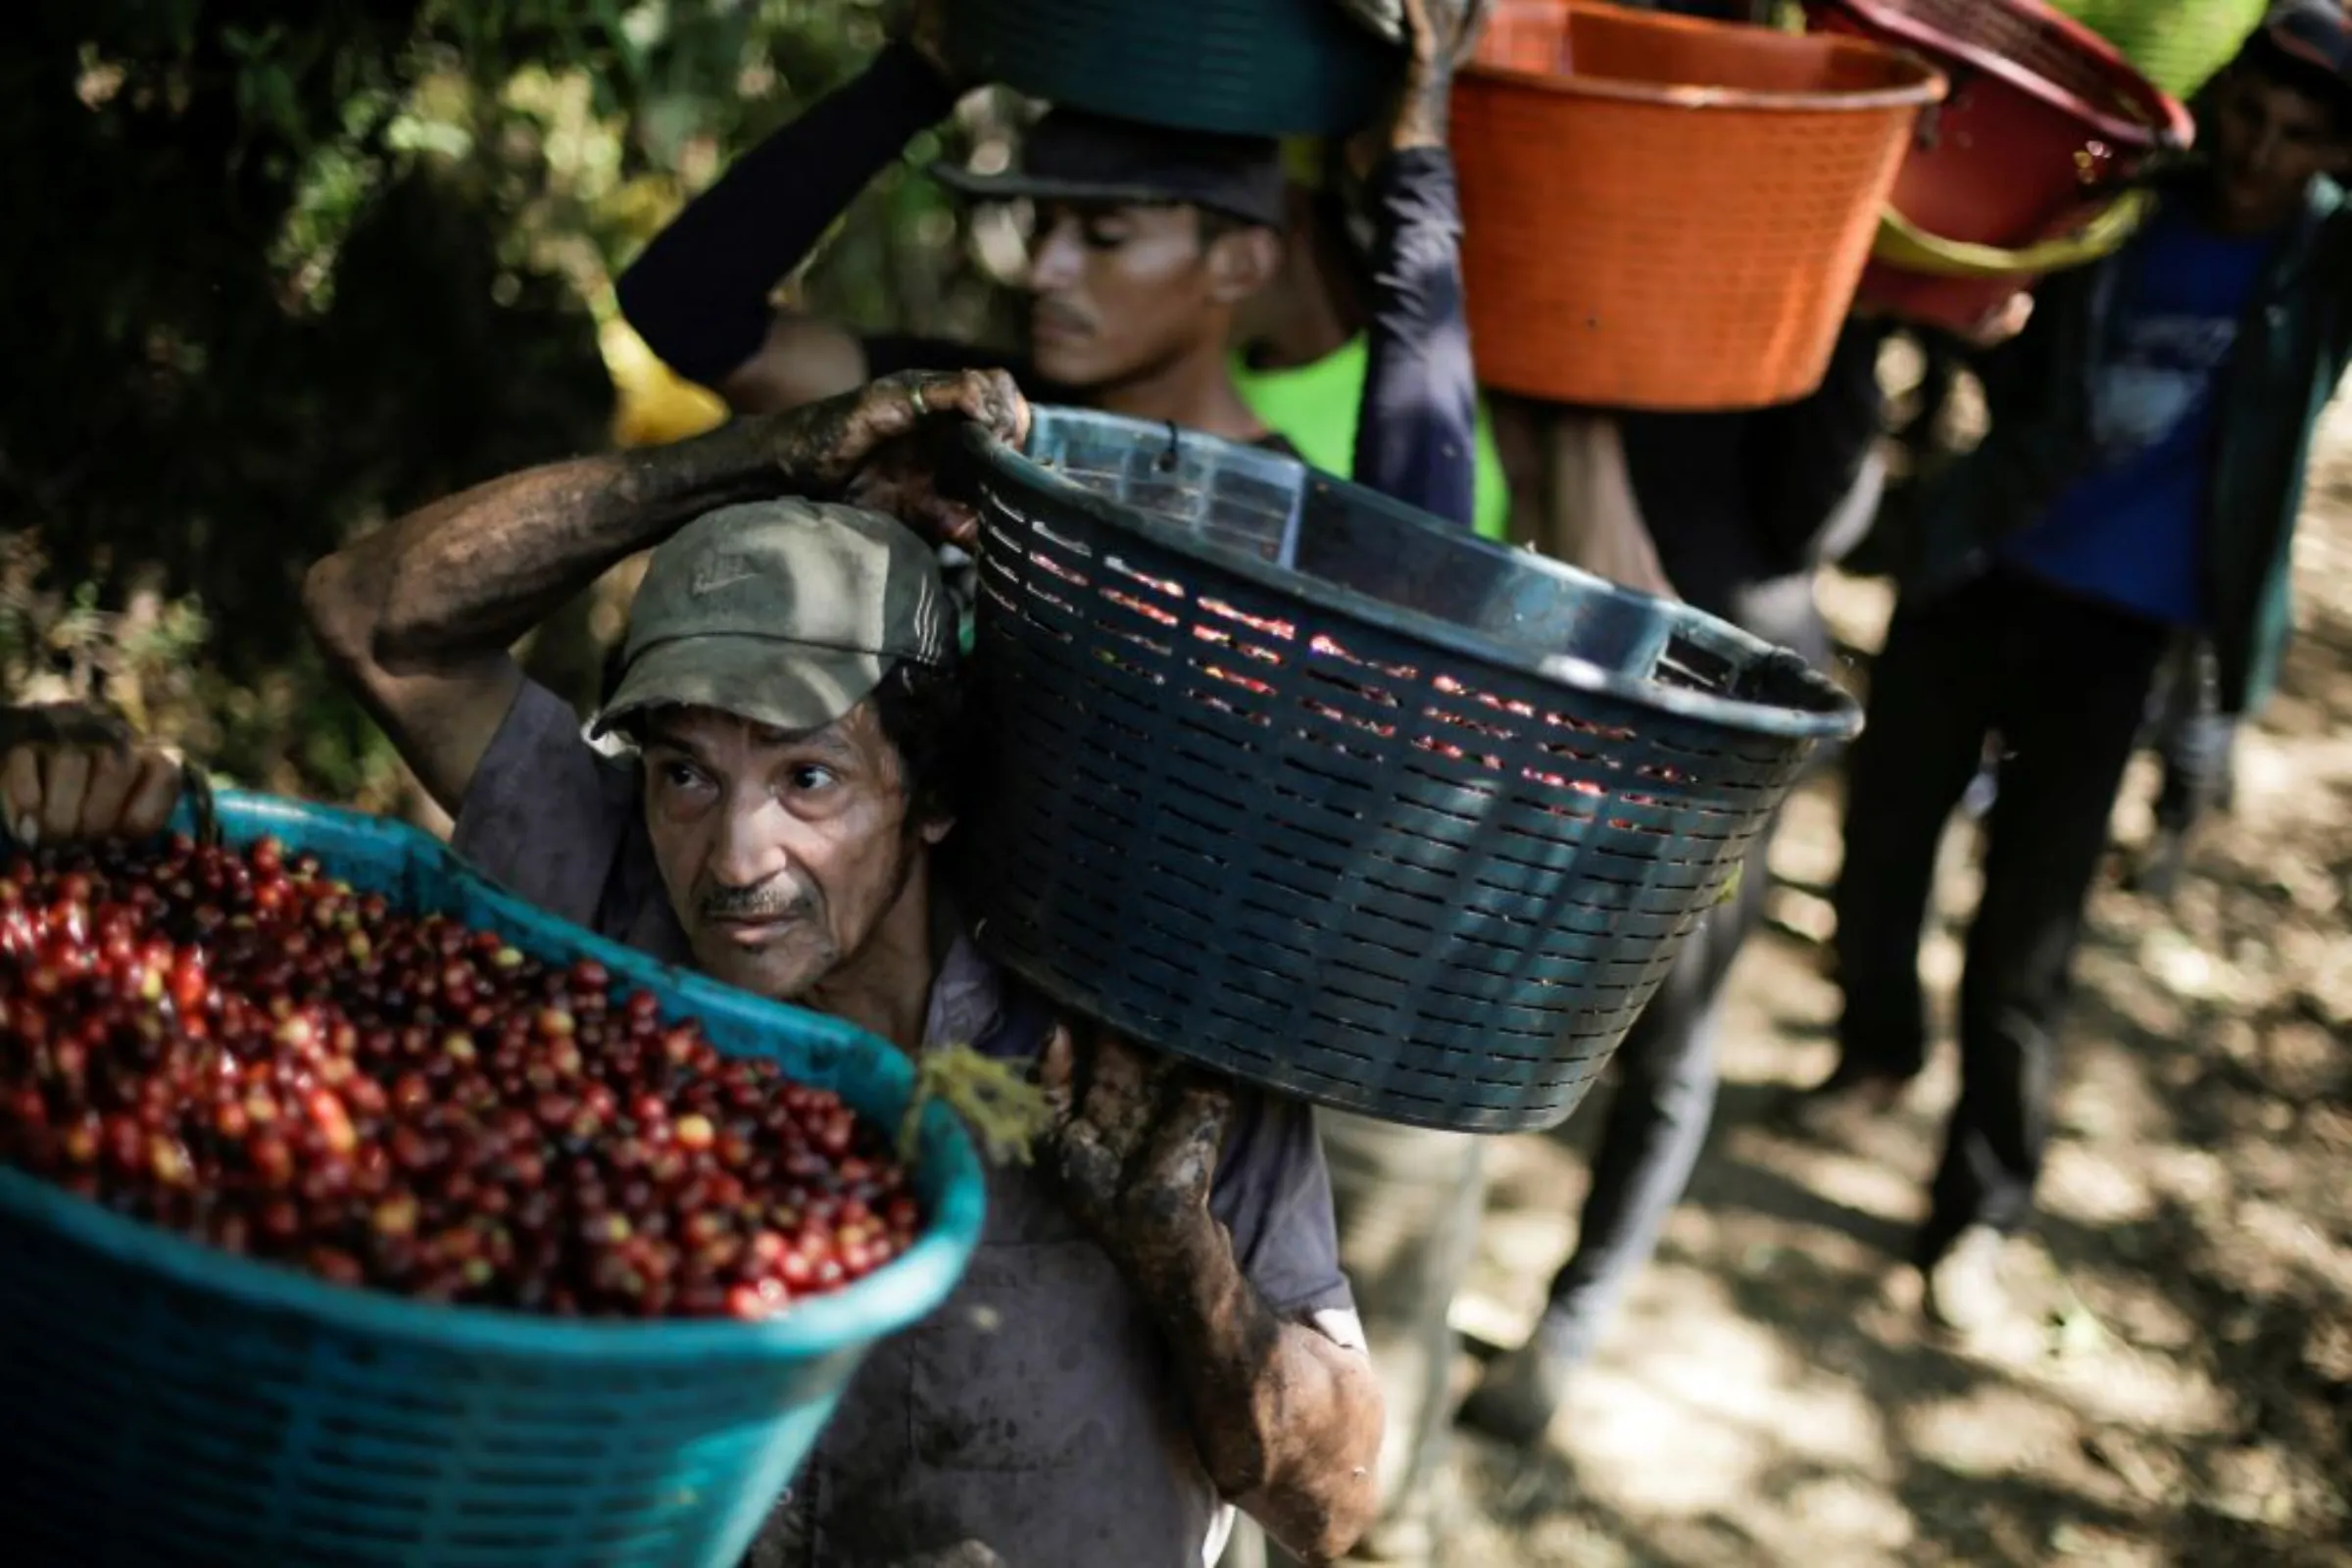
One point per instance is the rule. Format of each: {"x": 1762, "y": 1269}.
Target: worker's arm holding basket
{"x": 423, "y": 612}
{"x": 420, "y": 614}
{"x": 73, "y": 772}
{"x": 1285, "y": 1413}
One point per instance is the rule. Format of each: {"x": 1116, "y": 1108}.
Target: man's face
{"x": 1118, "y": 293}
{"x": 2269, "y": 142}
{"x": 782, "y": 854}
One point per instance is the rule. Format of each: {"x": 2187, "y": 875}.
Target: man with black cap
{"x": 1155, "y": 1327}
{"x": 1145, "y": 243}
{"x": 2142, "y": 479}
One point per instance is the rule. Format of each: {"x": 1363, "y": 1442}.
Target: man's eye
{"x": 681, "y": 775}
{"x": 811, "y": 776}
{"x": 1105, "y": 236}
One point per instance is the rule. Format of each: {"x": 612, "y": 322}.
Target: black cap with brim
{"x": 1069, "y": 156}
{"x": 2317, "y": 32}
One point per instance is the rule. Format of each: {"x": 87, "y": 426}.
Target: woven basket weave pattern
{"x": 1237, "y": 67}
{"x": 1322, "y": 854}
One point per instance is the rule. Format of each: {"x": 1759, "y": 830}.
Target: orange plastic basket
{"x": 1667, "y": 214}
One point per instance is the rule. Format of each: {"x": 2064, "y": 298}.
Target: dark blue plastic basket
{"x": 1253, "y": 67}
{"x": 1340, "y": 862}
{"x": 165, "y": 1403}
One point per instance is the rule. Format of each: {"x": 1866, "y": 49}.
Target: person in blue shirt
{"x": 2161, "y": 468}
{"x": 2127, "y": 535}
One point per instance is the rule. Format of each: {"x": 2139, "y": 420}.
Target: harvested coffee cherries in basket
{"x": 232, "y": 1045}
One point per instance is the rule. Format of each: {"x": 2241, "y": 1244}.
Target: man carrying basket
{"x": 1146, "y": 242}
{"x": 1154, "y": 1326}
{"x": 1149, "y": 246}
{"x": 2142, "y": 479}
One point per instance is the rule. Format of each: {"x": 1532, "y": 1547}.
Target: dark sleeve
{"x": 1273, "y": 1194}
{"x": 2336, "y": 266}
{"x": 546, "y": 813}
{"x": 699, "y": 294}
{"x": 1801, "y": 459}
{"x": 2037, "y": 402}
{"x": 1415, "y": 438}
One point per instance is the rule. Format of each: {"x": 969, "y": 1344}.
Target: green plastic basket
{"x": 2177, "y": 44}
{"x": 1252, "y": 68}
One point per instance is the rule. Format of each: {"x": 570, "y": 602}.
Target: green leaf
{"x": 632, "y": 59}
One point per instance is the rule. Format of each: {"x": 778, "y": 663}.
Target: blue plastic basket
{"x": 1251, "y": 67}
{"x": 166, "y": 1404}
{"x": 1300, "y": 784}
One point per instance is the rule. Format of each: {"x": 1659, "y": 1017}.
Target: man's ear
{"x": 934, "y": 829}
{"x": 1241, "y": 262}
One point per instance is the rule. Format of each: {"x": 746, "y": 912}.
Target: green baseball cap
{"x": 785, "y": 612}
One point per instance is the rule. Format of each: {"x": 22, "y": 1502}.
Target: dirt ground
{"x": 1770, "y": 1396}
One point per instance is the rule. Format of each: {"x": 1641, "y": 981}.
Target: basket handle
{"x": 1906, "y": 245}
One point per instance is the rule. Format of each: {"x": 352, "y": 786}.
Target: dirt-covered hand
{"x": 1135, "y": 1146}
{"x": 73, "y": 771}
{"x": 1438, "y": 35}
{"x": 883, "y": 444}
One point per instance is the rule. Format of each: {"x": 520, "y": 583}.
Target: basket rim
{"x": 857, "y": 1315}
{"x": 1929, "y": 87}
{"x": 2168, "y": 123}
{"x": 1839, "y": 719}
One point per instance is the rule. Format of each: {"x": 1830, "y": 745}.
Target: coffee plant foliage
{"x": 281, "y": 269}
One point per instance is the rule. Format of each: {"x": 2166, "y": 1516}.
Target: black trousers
{"x": 2064, "y": 682}
{"x": 1666, "y": 1071}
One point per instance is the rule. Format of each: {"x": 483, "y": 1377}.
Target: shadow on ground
{"x": 2180, "y": 1390}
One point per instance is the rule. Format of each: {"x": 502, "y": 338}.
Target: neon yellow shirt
{"x": 1314, "y": 406}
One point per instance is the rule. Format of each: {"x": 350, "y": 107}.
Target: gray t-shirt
{"x": 1036, "y": 1410}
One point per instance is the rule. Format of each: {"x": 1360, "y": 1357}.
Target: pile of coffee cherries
{"x": 235, "y": 1046}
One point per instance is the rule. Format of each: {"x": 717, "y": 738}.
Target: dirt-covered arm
{"x": 420, "y": 614}
{"x": 1285, "y": 1413}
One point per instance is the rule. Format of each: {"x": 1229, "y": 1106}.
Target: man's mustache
{"x": 1067, "y": 317}
{"x": 779, "y": 900}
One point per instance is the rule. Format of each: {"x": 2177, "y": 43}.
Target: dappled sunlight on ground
{"x": 2181, "y": 1390}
